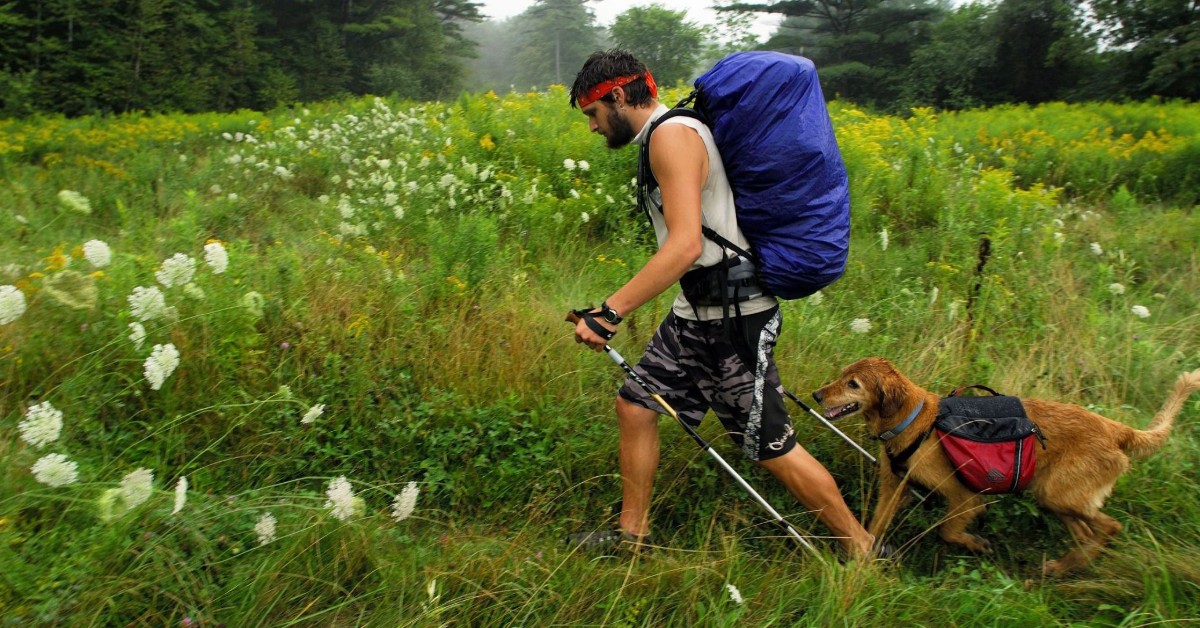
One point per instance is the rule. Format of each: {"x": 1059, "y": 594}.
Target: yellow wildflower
{"x": 57, "y": 260}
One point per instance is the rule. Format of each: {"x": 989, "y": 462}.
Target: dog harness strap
{"x": 958, "y": 391}
{"x": 895, "y": 431}
{"x": 899, "y": 462}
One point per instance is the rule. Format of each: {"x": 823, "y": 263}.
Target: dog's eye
{"x": 853, "y": 384}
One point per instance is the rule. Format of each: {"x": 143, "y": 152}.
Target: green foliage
{"x": 85, "y": 56}
{"x": 556, "y": 36}
{"x": 1162, "y": 38}
{"x": 406, "y": 267}
{"x": 663, "y": 40}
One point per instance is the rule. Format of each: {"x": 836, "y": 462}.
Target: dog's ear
{"x": 889, "y": 394}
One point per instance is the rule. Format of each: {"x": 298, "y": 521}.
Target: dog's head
{"x": 871, "y": 387}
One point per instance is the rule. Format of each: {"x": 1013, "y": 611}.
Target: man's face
{"x": 605, "y": 119}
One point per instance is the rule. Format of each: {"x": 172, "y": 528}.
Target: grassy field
{"x": 308, "y": 366}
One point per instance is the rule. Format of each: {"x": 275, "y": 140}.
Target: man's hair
{"x": 604, "y": 65}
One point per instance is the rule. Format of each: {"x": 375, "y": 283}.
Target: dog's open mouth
{"x": 841, "y": 411}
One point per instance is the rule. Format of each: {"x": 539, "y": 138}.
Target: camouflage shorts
{"x": 695, "y": 366}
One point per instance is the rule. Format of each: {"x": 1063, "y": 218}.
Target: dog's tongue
{"x": 834, "y": 413}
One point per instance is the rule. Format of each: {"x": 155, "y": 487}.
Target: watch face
{"x": 610, "y": 316}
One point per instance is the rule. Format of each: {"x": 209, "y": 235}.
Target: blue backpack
{"x": 771, "y": 126}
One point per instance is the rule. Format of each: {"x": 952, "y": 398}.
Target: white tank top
{"x": 717, "y": 212}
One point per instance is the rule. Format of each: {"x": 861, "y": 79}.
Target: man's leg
{"x": 809, "y": 481}
{"x": 639, "y": 462}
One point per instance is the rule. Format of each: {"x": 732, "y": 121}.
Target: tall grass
{"x": 413, "y": 263}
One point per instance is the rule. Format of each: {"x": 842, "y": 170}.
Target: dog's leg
{"x": 1090, "y": 535}
{"x": 965, "y": 506}
{"x": 1076, "y": 493}
{"x": 892, "y": 497}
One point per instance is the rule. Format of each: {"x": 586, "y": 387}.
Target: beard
{"x": 620, "y": 130}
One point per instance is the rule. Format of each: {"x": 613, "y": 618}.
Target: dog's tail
{"x": 1138, "y": 443}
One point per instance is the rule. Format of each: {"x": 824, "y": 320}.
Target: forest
{"x": 78, "y": 57}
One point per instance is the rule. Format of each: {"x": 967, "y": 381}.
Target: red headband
{"x": 599, "y": 91}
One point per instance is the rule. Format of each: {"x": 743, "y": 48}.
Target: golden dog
{"x": 1084, "y": 455}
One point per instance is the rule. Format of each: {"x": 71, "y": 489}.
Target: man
{"x": 711, "y": 351}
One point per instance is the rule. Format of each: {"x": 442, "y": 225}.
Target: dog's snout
{"x": 817, "y": 395}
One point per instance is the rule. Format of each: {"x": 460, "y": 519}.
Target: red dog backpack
{"x": 990, "y": 441}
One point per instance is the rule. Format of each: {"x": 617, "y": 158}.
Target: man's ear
{"x": 618, "y": 97}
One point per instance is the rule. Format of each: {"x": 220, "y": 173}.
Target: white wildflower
{"x": 569, "y": 164}
{"x": 313, "y": 413}
{"x": 1096, "y": 248}
{"x": 194, "y": 292}
{"x": 75, "y": 201}
{"x": 136, "y": 488}
{"x": 12, "y": 304}
{"x": 97, "y": 253}
{"x": 585, "y": 166}
{"x": 265, "y": 528}
{"x": 1140, "y": 311}
{"x": 284, "y": 391}
{"x": 406, "y": 502}
{"x": 137, "y": 335}
{"x": 342, "y": 503}
{"x": 584, "y": 217}
{"x": 147, "y": 304}
{"x": 162, "y": 362}
{"x": 181, "y": 487}
{"x": 216, "y": 257}
{"x": 816, "y": 298}
{"x": 55, "y": 470}
{"x": 734, "y": 594}
{"x": 883, "y": 239}
{"x": 254, "y": 302}
{"x": 1116, "y": 289}
{"x": 933, "y": 295}
{"x": 1059, "y": 237}
{"x": 42, "y": 424}
{"x": 860, "y": 325}
{"x": 176, "y": 270}
{"x": 952, "y": 312}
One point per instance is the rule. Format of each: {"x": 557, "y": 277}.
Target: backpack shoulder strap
{"x": 645, "y": 176}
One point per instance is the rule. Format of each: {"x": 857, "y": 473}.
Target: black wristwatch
{"x": 610, "y": 315}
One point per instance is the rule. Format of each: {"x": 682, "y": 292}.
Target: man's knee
{"x": 634, "y": 415}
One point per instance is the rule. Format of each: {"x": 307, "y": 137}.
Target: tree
{"x": 84, "y": 56}
{"x": 1156, "y": 43}
{"x": 663, "y": 40}
{"x": 557, "y": 36}
{"x": 948, "y": 71}
{"x": 861, "y": 47}
{"x": 493, "y": 67}
{"x": 1040, "y": 47}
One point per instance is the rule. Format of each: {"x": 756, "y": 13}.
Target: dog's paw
{"x": 978, "y": 544}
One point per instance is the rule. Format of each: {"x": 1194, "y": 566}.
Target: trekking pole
{"x": 849, "y": 440}
{"x": 830, "y": 425}
{"x": 616, "y": 357}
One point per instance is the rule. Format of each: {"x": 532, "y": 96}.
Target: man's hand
{"x": 587, "y": 326}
